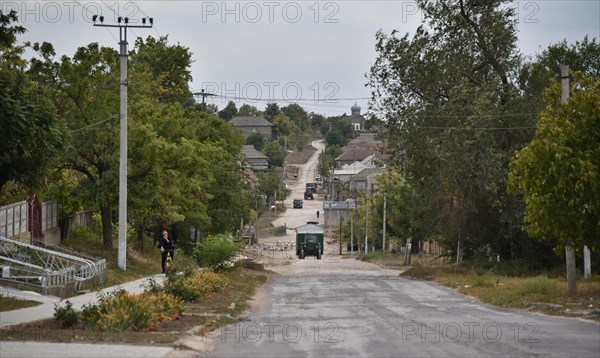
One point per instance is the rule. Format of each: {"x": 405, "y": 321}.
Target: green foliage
{"x": 190, "y": 286}
{"x": 216, "y": 251}
{"x": 29, "y": 125}
{"x": 257, "y": 140}
{"x": 279, "y": 231}
{"x": 120, "y": 311}
{"x": 168, "y": 64}
{"x": 454, "y": 117}
{"x": 539, "y": 285}
{"x": 297, "y": 115}
{"x": 229, "y": 111}
{"x": 558, "y": 171}
{"x": 337, "y": 131}
{"x": 66, "y": 316}
{"x": 271, "y": 110}
{"x": 247, "y": 110}
{"x": 275, "y": 153}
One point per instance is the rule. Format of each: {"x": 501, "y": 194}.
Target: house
{"x": 250, "y": 125}
{"x": 358, "y": 155}
{"x": 366, "y": 179}
{"x": 254, "y": 158}
{"x": 366, "y": 141}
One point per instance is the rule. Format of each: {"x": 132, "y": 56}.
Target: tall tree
{"x": 29, "y": 126}
{"x": 558, "y": 171}
{"x": 247, "y": 110}
{"x": 85, "y": 92}
{"x": 447, "y": 96}
{"x": 168, "y": 64}
{"x": 271, "y": 111}
{"x": 229, "y": 111}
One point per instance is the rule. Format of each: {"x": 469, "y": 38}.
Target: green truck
{"x": 309, "y": 240}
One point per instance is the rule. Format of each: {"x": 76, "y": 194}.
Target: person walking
{"x": 318, "y": 214}
{"x": 166, "y": 246}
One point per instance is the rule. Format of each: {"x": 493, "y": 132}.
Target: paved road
{"x": 340, "y": 307}
{"x": 346, "y": 308}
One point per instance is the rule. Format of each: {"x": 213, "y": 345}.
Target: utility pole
{"x": 367, "y": 225}
{"x": 569, "y": 249}
{"x": 384, "y": 218}
{"x": 123, "y": 24}
{"x": 352, "y": 228}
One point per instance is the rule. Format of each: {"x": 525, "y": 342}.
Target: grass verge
{"x": 535, "y": 293}
{"x": 11, "y": 303}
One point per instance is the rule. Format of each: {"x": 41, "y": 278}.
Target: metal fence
{"x": 49, "y": 215}
{"x": 13, "y": 219}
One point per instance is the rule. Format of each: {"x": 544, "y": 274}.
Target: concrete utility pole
{"x": 367, "y": 226}
{"x": 123, "y": 24}
{"x": 384, "y": 220}
{"x": 569, "y": 249}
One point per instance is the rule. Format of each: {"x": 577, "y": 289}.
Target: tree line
{"x": 485, "y": 158}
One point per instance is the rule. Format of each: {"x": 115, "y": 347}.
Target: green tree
{"x": 168, "y": 64}
{"x": 447, "y": 94}
{"x": 247, "y": 110}
{"x": 84, "y": 91}
{"x": 297, "y": 115}
{"x": 29, "y": 125}
{"x": 229, "y": 111}
{"x": 558, "y": 171}
{"x": 271, "y": 111}
{"x": 275, "y": 153}
{"x": 257, "y": 140}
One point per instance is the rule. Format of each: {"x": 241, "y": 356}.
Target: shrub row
{"x": 120, "y": 311}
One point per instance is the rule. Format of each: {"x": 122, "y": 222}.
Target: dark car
{"x": 312, "y": 187}
{"x": 298, "y": 203}
{"x": 308, "y": 195}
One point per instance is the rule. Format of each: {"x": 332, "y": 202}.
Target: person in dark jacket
{"x": 166, "y": 246}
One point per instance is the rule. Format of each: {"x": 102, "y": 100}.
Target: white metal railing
{"x": 46, "y": 268}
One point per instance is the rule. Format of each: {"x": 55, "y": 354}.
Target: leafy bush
{"x": 66, "y": 316}
{"x": 119, "y": 310}
{"x": 279, "y": 231}
{"x": 216, "y": 252}
{"x": 196, "y": 286}
{"x": 181, "y": 286}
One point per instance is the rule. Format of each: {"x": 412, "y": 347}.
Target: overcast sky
{"x": 277, "y": 50}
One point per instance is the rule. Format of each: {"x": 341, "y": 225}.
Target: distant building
{"x": 366, "y": 141}
{"x": 366, "y": 178}
{"x": 254, "y": 158}
{"x": 358, "y": 155}
{"x": 356, "y": 119}
{"x": 250, "y": 125}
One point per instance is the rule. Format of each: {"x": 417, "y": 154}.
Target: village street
{"x": 342, "y": 307}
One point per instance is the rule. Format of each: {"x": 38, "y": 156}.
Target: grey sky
{"x": 281, "y": 49}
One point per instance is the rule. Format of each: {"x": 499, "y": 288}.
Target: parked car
{"x": 298, "y": 203}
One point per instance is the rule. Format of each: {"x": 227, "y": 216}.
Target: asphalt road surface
{"x": 341, "y": 307}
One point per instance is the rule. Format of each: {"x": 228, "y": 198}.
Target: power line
{"x": 316, "y": 100}
{"x": 89, "y": 12}
{"x": 93, "y": 124}
{"x": 476, "y": 128}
